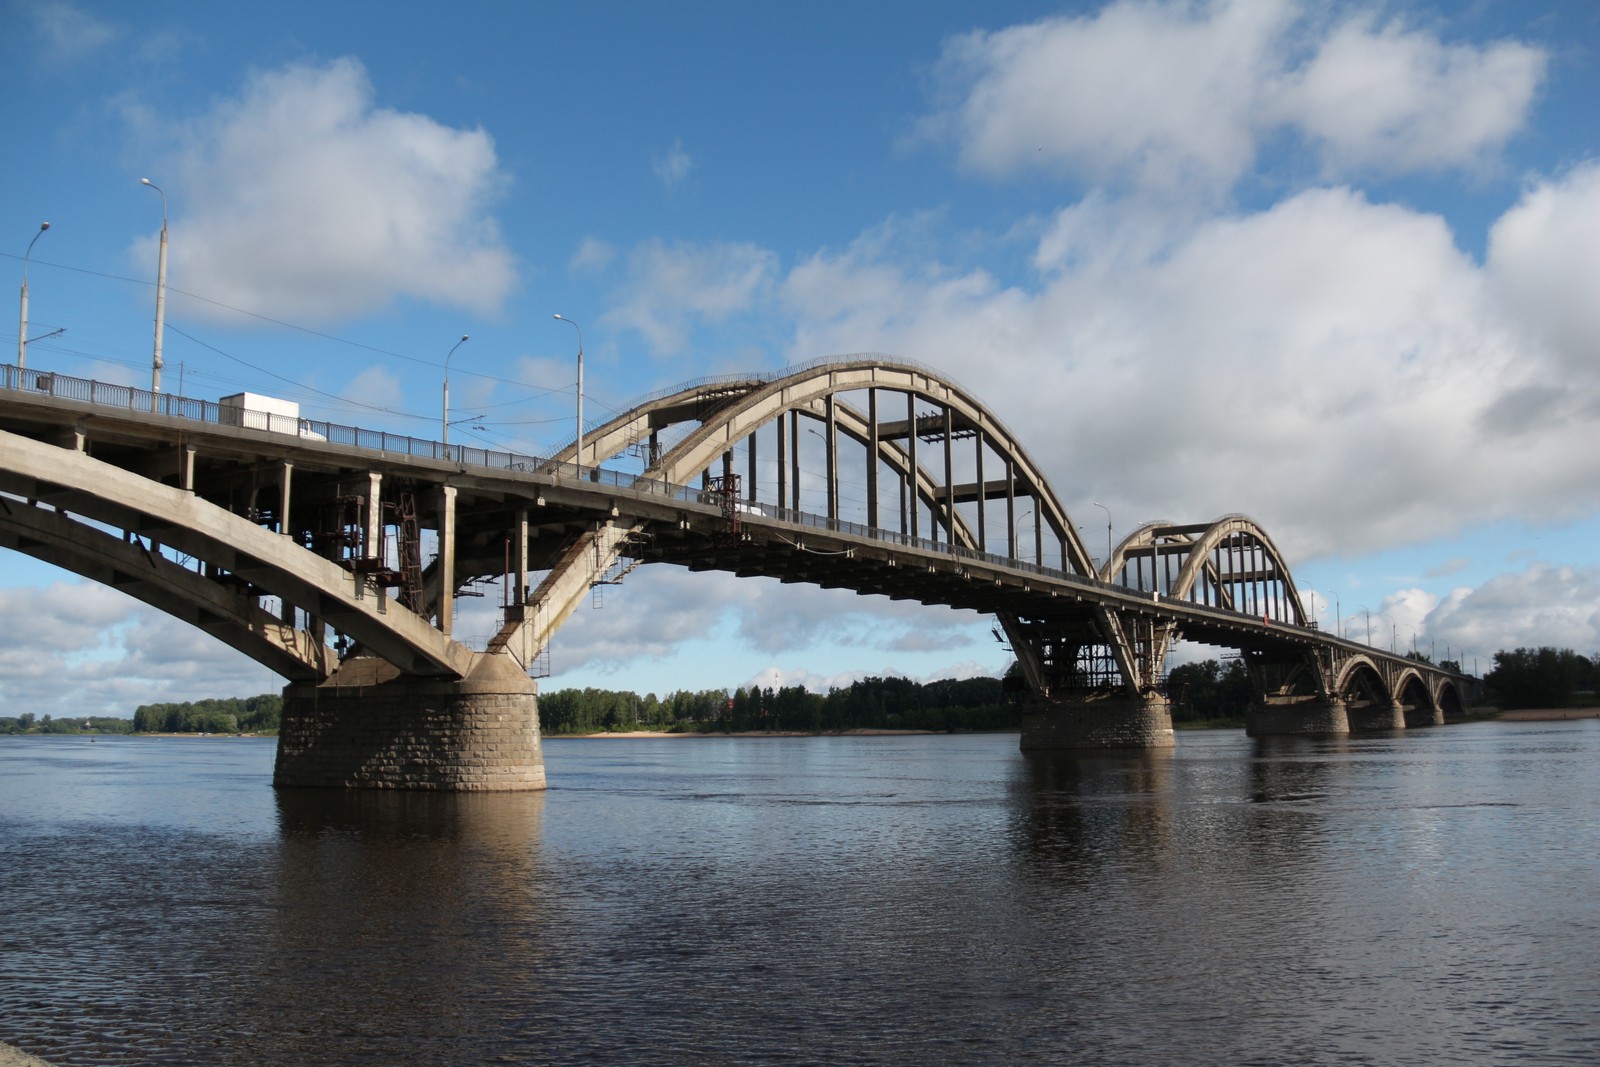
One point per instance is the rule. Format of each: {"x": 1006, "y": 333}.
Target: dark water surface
{"x": 1426, "y": 897}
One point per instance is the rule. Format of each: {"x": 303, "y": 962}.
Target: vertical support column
{"x": 285, "y": 478}
{"x": 447, "y": 557}
{"x": 794, "y": 458}
{"x": 186, "y": 469}
{"x": 519, "y": 551}
{"x": 1011, "y": 511}
{"x": 949, "y": 483}
{"x": 911, "y": 453}
{"x": 832, "y": 455}
{"x": 872, "y": 458}
{"x": 983, "y": 501}
{"x": 374, "y": 527}
{"x": 783, "y": 460}
{"x": 750, "y": 482}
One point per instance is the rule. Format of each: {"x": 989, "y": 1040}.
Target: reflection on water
{"x": 1402, "y": 898}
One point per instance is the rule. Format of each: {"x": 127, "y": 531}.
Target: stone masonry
{"x": 368, "y": 727}
{"x": 1114, "y": 722}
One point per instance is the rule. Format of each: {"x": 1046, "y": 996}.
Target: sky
{"x": 1335, "y": 266}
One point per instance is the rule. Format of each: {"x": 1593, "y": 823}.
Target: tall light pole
{"x": 161, "y": 288}
{"x": 577, "y": 455}
{"x": 22, "y": 328}
{"x": 1107, "y": 510}
{"x": 444, "y": 421}
{"x": 1014, "y": 535}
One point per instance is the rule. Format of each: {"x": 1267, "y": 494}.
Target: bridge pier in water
{"x": 370, "y": 727}
{"x": 1112, "y": 722}
{"x": 1292, "y": 719}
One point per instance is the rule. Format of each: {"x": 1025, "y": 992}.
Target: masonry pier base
{"x": 368, "y": 727}
{"x": 1377, "y": 716}
{"x": 1305, "y": 717}
{"x": 1110, "y": 722}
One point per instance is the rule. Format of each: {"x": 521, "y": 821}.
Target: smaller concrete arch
{"x": 1416, "y": 701}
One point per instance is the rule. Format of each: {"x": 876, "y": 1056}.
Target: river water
{"x": 1420, "y": 897}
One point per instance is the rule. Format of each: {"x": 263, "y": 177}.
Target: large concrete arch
{"x": 77, "y": 483}
{"x": 218, "y": 609}
{"x": 722, "y": 413}
{"x": 1196, "y": 543}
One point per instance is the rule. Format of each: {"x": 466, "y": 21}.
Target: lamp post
{"x": 1014, "y": 535}
{"x": 1107, "y": 510}
{"x": 577, "y": 456}
{"x": 444, "y": 421}
{"x": 22, "y": 328}
{"x": 161, "y": 288}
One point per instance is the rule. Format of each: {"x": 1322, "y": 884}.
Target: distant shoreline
{"x": 1547, "y": 714}
{"x": 626, "y": 734}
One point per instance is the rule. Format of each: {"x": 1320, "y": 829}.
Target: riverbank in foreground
{"x": 15, "y": 1057}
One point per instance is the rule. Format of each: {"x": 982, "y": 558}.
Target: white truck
{"x": 255, "y": 411}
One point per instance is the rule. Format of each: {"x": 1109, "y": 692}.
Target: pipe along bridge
{"x": 335, "y": 556}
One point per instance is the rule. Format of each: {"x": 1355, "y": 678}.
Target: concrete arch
{"x": 723, "y": 413}
{"x": 57, "y": 538}
{"x": 77, "y": 483}
{"x": 1416, "y": 700}
{"x": 727, "y": 412}
{"x": 1195, "y": 544}
{"x": 1360, "y": 677}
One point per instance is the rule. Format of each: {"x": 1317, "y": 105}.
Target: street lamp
{"x": 444, "y": 428}
{"x": 1107, "y": 510}
{"x": 22, "y": 329}
{"x": 577, "y": 456}
{"x": 1015, "y": 526}
{"x": 161, "y": 288}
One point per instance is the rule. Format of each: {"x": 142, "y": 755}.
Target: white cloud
{"x": 1544, "y": 264}
{"x": 672, "y": 288}
{"x": 65, "y": 33}
{"x": 118, "y": 653}
{"x": 1393, "y": 101}
{"x": 1542, "y": 605}
{"x": 1179, "y": 97}
{"x": 1330, "y": 366}
{"x": 673, "y": 168}
{"x": 1159, "y": 93}
{"x": 301, "y": 198}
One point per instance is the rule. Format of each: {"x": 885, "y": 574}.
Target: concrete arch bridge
{"x": 336, "y": 556}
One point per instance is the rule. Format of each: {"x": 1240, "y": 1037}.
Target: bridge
{"x": 335, "y": 556}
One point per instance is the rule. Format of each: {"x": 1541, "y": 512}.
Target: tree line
{"x": 1543, "y": 677}
{"x": 224, "y": 715}
{"x": 28, "y": 723}
{"x": 872, "y": 703}
{"x": 1208, "y": 691}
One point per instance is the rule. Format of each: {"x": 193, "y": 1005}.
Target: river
{"x": 1418, "y": 897}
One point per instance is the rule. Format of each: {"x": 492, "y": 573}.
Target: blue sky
{"x": 1330, "y": 265}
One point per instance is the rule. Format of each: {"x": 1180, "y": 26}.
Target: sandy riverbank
{"x": 15, "y": 1057}
{"x": 1548, "y": 714}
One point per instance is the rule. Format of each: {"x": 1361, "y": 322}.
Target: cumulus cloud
{"x": 302, "y": 198}
{"x": 118, "y": 653}
{"x": 1541, "y": 605}
{"x": 1330, "y": 366}
{"x": 1544, "y": 265}
{"x": 1179, "y": 97}
{"x": 1393, "y": 101}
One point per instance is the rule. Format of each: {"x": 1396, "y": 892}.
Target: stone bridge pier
{"x": 371, "y": 727}
{"x": 1115, "y": 721}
